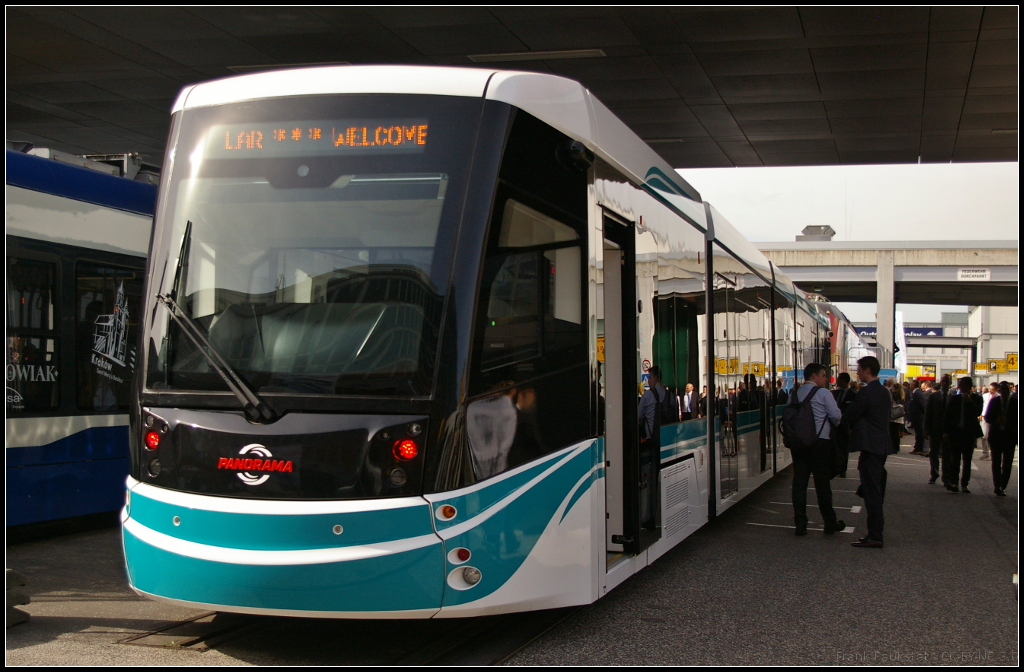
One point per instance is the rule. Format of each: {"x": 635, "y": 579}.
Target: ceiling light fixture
{"x": 242, "y": 69}
{"x": 537, "y": 55}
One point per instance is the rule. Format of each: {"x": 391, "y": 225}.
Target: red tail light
{"x": 152, "y": 440}
{"x": 406, "y": 449}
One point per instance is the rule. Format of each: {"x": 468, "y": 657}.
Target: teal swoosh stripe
{"x": 659, "y": 180}
{"x": 581, "y": 489}
{"x": 473, "y": 503}
{"x": 411, "y": 579}
{"x": 683, "y": 431}
{"x": 258, "y": 532}
{"x": 501, "y": 543}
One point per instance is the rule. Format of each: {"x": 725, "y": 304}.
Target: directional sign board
{"x": 1011, "y": 361}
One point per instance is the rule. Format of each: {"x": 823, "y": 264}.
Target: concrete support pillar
{"x": 886, "y": 308}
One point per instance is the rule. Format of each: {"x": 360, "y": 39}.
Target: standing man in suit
{"x": 962, "y": 431}
{"x": 1003, "y": 420}
{"x": 844, "y": 396}
{"x": 688, "y": 403}
{"x": 868, "y": 416}
{"x": 934, "y": 422}
{"x": 915, "y": 416}
{"x": 781, "y": 395}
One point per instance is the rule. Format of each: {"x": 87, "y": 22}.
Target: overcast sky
{"x": 913, "y": 203}
{"x": 932, "y": 201}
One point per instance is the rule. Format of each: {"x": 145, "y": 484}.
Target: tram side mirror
{"x": 573, "y": 155}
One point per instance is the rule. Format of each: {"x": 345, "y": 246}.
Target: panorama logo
{"x": 254, "y": 458}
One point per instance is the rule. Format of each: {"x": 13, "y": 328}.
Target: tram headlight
{"x": 471, "y": 575}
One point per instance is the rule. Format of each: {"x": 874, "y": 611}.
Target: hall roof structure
{"x": 772, "y": 86}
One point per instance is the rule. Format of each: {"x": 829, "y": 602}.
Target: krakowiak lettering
{"x": 253, "y": 464}
{"x": 32, "y": 373}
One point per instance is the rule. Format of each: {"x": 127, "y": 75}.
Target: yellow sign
{"x": 734, "y": 365}
{"x": 981, "y": 369}
{"x": 958, "y": 372}
{"x": 783, "y": 368}
{"x": 997, "y": 366}
{"x": 1011, "y": 361}
{"x": 758, "y": 368}
{"x": 600, "y": 348}
{"x": 746, "y": 368}
{"x": 721, "y": 366}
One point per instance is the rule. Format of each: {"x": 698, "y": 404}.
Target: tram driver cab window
{"x": 530, "y": 382}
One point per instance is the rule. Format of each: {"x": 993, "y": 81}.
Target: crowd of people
{"x": 946, "y": 422}
{"x": 952, "y": 421}
{"x": 868, "y": 416}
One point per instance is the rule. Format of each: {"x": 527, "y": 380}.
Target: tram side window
{"x": 530, "y": 380}
{"x": 32, "y": 342}
{"x": 676, "y": 345}
{"x": 108, "y": 304}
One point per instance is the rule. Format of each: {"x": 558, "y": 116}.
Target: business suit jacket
{"x": 935, "y": 413}
{"x": 847, "y": 398}
{"x": 693, "y": 403}
{"x": 915, "y": 411}
{"x": 1002, "y": 434}
{"x": 972, "y": 426}
{"x": 868, "y": 416}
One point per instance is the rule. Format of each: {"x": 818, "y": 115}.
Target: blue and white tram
{"x": 76, "y": 246}
{"x": 395, "y": 329}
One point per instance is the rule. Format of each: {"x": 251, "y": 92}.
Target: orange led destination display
{"x": 318, "y": 138}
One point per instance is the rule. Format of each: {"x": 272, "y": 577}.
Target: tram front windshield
{"x": 310, "y": 240}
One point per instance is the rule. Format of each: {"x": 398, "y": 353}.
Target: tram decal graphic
{"x": 110, "y": 339}
{"x": 261, "y": 462}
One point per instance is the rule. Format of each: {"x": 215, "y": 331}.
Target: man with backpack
{"x": 657, "y": 407}
{"x": 807, "y": 424}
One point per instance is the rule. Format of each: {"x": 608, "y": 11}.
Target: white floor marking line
{"x": 847, "y": 530}
{"x": 844, "y": 508}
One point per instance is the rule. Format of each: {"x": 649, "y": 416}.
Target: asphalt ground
{"x": 743, "y": 590}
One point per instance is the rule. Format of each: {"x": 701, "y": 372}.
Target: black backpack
{"x": 798, "y": 427}
{"x": 667, "y": 411}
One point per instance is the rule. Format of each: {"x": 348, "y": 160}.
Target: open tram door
{"x": 633, "y": 510}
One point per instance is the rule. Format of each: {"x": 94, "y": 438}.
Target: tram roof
{"x": 563, "y": 103}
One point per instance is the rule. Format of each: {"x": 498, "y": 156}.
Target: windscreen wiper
{"x": 256, "y": 409}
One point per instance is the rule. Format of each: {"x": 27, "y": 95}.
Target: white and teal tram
{"x": 396, "y": 325}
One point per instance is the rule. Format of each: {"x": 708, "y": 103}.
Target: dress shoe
{"x": 801, "y": 532}
{"x": 965, "y": 490}
{"x": 931, "y": 481}
{"x": 952, "y": 488}
{"x": 867, "y": 543}
{"x": 1000, "y": 493}
{"x": 838, "y": 527}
